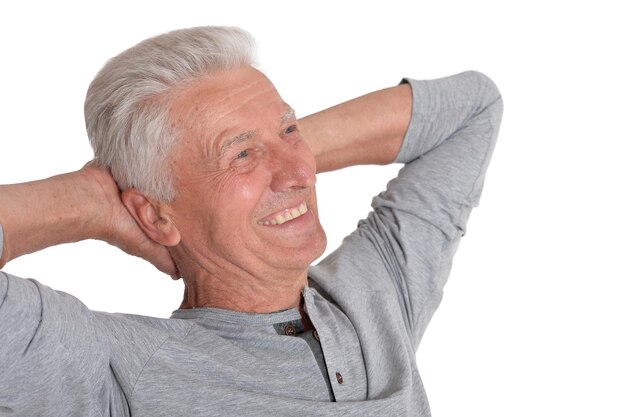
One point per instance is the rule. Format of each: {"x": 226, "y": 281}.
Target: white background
{"x": 533, "y": 321}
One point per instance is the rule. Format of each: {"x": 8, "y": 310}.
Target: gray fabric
{"x": 370, "y": 302}
{"x": 314, "y": 344}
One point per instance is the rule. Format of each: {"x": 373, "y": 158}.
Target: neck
{"x": 244, "y": 292}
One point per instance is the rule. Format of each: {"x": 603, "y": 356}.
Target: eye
{"x": 242, "y": 154}
{"x": 291, "y": 129}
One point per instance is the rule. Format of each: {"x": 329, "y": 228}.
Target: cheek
{"x": 239, "y": 196}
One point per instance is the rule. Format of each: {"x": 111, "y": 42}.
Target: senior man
{"x": 201, "y": 168}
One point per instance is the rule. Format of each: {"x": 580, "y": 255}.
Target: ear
{"x": 151, "y": 218}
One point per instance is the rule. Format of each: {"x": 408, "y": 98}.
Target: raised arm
{"x": 366, "y": 130}
{"x": 406, "y": 245}
{"x": 80, "y": 205}
{"x": 44, "y": 213}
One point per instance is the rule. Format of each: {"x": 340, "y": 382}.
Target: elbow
{"x": 487, "y": 96}
{"x": 487, "y": 93}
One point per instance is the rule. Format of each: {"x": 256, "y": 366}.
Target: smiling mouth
{"x": 286, "y": 215}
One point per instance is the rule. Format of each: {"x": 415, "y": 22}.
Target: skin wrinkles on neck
{"x": 210, "y": 284}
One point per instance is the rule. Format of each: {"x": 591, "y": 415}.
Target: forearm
{"x": 44, "y": 213}
{"x": 365, "y": 130}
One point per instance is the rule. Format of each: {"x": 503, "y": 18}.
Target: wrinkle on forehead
{"x": 198, "y": 107}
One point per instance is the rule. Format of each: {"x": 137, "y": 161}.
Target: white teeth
{"x": 287, "y": 215}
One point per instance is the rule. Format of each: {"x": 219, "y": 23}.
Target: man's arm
{"x": 68, "y": 208}
{"x": 406, "y": 245}
{"x": 366, "y": 130}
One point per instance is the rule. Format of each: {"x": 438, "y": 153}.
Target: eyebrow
{"x": 235, "y": 140}
{"x": 288, "y": 115}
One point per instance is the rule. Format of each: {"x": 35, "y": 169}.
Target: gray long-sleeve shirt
{"x": 369, "y": 301}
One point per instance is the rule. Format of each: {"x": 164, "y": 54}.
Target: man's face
{"x": 244, "y": 177}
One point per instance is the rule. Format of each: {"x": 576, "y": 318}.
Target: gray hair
{"x": 126, "y": 108}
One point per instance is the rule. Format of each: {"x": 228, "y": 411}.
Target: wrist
{"x": 39, "y": 214}
{"x": 93, "y": 201}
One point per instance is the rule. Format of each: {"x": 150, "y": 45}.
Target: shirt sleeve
{"x": 53, "y": 360}
{"x": 407, "y": 243}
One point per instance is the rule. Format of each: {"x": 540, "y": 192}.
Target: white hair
{"x": 126, "y": 107}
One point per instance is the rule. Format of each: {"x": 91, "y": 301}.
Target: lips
{"x": 285, "y": 215}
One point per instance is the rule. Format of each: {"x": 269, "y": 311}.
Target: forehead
{"x": 224, "y": 100}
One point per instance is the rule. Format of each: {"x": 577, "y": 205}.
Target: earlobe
{"x": 151, "y": 218}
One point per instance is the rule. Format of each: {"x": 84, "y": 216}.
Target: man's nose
{"x": 292, "y": 167}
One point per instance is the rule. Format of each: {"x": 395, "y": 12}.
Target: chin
{"x": 317, "y": 247}
{"x": 304, "y": 256}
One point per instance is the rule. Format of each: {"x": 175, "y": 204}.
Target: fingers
{"x": 122, "y": 229}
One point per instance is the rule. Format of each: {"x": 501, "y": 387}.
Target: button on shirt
{"x": 297, "y": 359}
{"x": 303, "y": 329}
